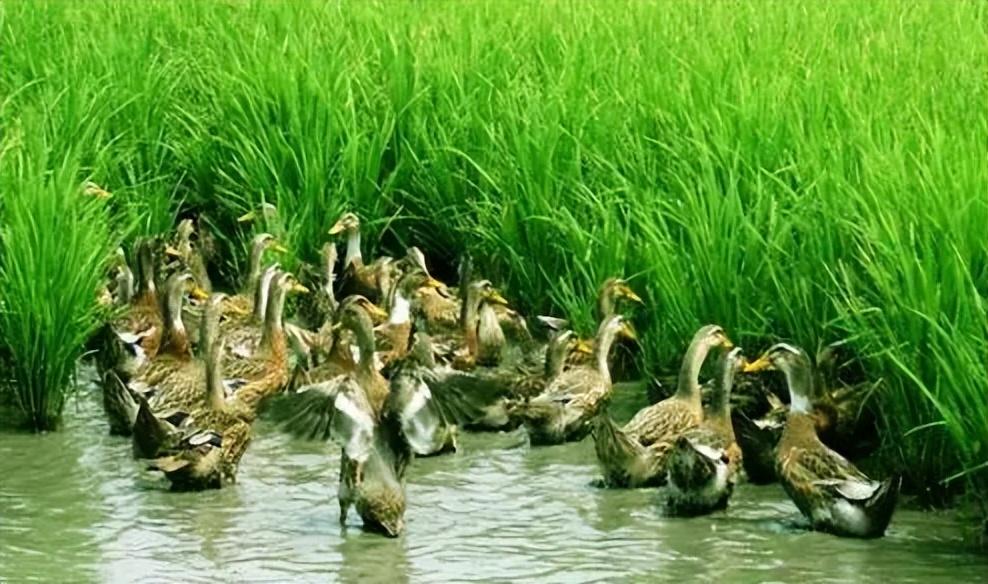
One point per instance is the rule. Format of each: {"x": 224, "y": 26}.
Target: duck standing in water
{"x": 829, "y": 491}
{"x": 705, "y": 461}
{"x": 636, "y": 455}
{"x": 358, "y": 410}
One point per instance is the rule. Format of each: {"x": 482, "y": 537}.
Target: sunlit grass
{"x": 789, "y": 170}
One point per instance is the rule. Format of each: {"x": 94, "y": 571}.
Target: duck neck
{"x": 605, "y": 304}
{"x": 353, "y": 255}
{"x": 401, "y": 307}
{"x": 364, "y": 333}
{"x": 147, "y": 291}
{"x": 329, "y": 274}
{"x": 254, "y": 269}
{"x": 799, "y": 377}
{"x": 555, "y": 357}
{"x": 688, "y": 384}
{"x": 720, "y": 403}
{"x": 261, "y": 300}
{"x": 602, "y": 350}
{"x": 176, "y": 339}
{"x": 490, "y": 335}
{"x": 469, "y": 317}
{"x": 216, "y": 395}
{"x": 125, "y": 285}
{"x": 273, "y": 335}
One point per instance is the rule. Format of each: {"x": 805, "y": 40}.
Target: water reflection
{"x": 74, "y": 506}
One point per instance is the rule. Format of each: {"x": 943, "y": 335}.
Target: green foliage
{"x": 55, "y": 242}
{"x": 788, "y": 170}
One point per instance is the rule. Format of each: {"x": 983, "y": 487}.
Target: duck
{"x": 181, "y": 392}
{"x": 128, "y": 341}
{"x": 636, "y": 455}
{"x": 323, "y": 304}
{"x": 368, "y": 280}
{"x": 187, "y": 255}
{"x": 169, "y": 366}
{"x": 429, "y": 430}
{"x": 359, "y": 411}
{"x": 612, "y": 293}
{"x": 394, "y": 335}
{"x": 461, "y": 348}
{"x": 243, "y": 335}
{"x": 441, "y": 308}
{"x": 267, "y": 368}
{"x": 205, "y": 450}
{"x": 242, "y": 303}
{"x": 833, "y": 494}
{"x": 336, "y": 347}
{"x": 835, "y": 412}
{"x": 705, "y": 461}
{"x": 485, "y": 395}
{"x": 564, "y": 412}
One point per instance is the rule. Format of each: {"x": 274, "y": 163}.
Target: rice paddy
{"x": 792, "y": 171}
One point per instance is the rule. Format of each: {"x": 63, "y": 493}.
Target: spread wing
{"x": 464, "y": 396}
{"x": 422, "y": 420}
{"x": 336, "y": 409}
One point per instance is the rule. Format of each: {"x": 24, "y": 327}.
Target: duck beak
{"x": 171, "y": 251}
{"x": 248, "y": 216}
{"x": 275, "y": 246}
{"x": 376, "y": 312}
{"x": 583, "y": 346}
{"x": 496, "y": 298}
{"x": 198, "y": 293}
{"x": 338, "y": 228}
{"x": 629, "y": 294}
{"x": 763, "y": 363}
{"x": 727, "y": 344}
{"x": 97, "y": 191}
{"x": 298, "y": 288}
{"x": 431, "y": 282}
{"x": 629, "y": 331}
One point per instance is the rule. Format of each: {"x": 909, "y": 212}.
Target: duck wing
{"x": 336, "y": 410}
{"x": 824, "y": 469}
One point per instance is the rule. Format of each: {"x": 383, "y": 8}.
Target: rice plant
{"x": 789, "y": 170}
{"x": 55, "y": 241}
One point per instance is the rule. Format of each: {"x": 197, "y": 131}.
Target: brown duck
{"x": 705, "y": 460}
{"x": 564, "y": 412}
{"x": 831, "y": 492}
{"x": 636, "y": 455}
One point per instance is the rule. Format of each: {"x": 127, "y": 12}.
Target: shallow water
{"x": 74, "y": 506}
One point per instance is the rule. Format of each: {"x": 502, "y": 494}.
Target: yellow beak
{"x": 275, "y": 246}
{"x": 582, "y": 346}
{"x": 628, "y": 293}
{"x": 298, "y": 288}
{"x": 338, "y": 228}
{"x": 763, "y": 363}
{"x": 198, "y": 293}
{"x": 496, "y": 298}
{"x": 629, "y": 331}
{"x": 169, "y": 250}
{"x": 248, "y": 216}
{"x": 727, "y": 344}
{"x": 431, "y": 282}
{"x": 375, "y": 311}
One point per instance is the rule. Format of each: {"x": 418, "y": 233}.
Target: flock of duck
{"x": 402, "y": 363}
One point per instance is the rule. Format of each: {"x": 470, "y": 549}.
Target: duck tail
{"x": 622, "y": 459}
{"x": 119, "y": 403}
{"x": 882, "y": 504}
{"x": 690, "y": 466}
{"x": 151, "y": 434}
{"x": 758, "y": 448}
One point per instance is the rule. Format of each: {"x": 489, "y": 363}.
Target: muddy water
{"x": 74, "y": 506}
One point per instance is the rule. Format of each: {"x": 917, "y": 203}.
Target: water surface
{"x": 74, "y": 506}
